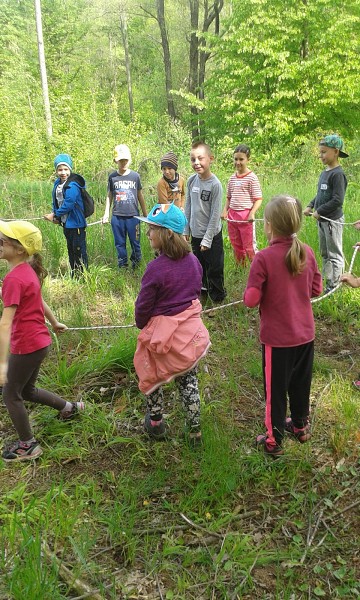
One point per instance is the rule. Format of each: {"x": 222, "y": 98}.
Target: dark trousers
{"x": 23, "y": 370}
{"x": 212, "y": 262}
{"x": 287, "y": 373}
{"x": 122, "y": 227}
{"x": 76, "y": 247}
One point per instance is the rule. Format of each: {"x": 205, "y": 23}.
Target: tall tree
{"x": 160, "y": 19}
{"x": 281, "y": 75}
{"x": 160, "y": 10}
{"x": 200, "y": 54}
{"x": 125, "y": 40}
{"x": 42, "y": 63}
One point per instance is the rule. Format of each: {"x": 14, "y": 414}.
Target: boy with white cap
{"x": 125, "y": 195}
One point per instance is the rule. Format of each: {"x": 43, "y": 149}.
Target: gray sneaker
{"x": 157, "y": 432}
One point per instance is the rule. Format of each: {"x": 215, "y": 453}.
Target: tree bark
{"x": 160, "y": 8}
{"x": 125, "y": 40}
{"x": 42, "y": 63}
{"x": 199, "y": 56}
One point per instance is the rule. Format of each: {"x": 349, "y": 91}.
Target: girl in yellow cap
{"x": 23, "y": 329}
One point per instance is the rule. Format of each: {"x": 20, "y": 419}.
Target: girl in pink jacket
{"x": 173, "y": 337}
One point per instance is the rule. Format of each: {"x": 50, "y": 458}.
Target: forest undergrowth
{"x": 107, "y": 514}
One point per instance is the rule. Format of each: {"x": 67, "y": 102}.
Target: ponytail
{"x": 295, "y": 259}
{"x": 35, "y": 261}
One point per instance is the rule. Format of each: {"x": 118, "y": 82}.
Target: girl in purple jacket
{"x": 282, "y": 280}
{"x": 173, "y": 337}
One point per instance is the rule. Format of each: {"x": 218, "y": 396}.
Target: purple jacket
{"x": 168, "y": 287}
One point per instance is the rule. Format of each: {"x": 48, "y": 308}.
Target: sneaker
{"x": 157, "y": 432}
{"x": 273, "y": 450}
{"x": 302, "y": 435}
{"x": 356, "y": 384}
{"x": 67, "y": 415}
{"x": 19, "y": 451}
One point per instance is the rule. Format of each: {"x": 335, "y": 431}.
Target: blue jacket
{"x": 73, "y": 205}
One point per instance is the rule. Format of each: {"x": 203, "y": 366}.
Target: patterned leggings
{"x": 189, "y": 394}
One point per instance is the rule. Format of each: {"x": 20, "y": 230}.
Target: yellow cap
{"x": 25, "y": 233}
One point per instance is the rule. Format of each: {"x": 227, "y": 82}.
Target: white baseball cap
{"x": 122, "y": 152}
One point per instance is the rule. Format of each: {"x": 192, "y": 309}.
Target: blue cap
{"x": 63, "y": 159}
{"x": 166, "y": 215}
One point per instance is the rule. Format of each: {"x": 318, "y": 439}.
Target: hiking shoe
{"x": 356, "y": 384}
{"x": 67, "y": 415}
{"x": 19, "y": 451}
{"x": 302, "y": 435}
{"x": 273, "y": 450}
{"x": 157, "y": 432}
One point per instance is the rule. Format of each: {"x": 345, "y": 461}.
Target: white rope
{"x": 212, "y": 310}
{"x": 254, "y": 220}
{"x": 94, "y": 223}
{"x": 101, "y": 327}
{"x": 313, "y": 300}
{"x": 245, "y": 221}
{"x": 331, "y": 220}
{"x": 27, "y": 219}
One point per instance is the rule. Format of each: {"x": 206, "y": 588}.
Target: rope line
{"x": 332, "y": 220}
{"x": 215, "y": 308}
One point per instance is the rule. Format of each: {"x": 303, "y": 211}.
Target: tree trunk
{"x": 199, "y": 56}
{"x": 167, "y": 59}
{"x": 42, "y": 63}
{"x": 194, "y": 64}
{"x": 125, "y": 40}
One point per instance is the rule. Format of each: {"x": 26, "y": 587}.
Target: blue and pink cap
{"x": 166, "y": 215}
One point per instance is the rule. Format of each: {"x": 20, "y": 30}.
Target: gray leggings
{"x": 189, "y": 394}
{"x": 22, "y": 373}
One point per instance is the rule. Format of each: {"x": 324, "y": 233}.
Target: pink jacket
{"x": 169, "y": 346}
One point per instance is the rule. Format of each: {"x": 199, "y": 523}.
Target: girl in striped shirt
{"x": 243, "y": 198}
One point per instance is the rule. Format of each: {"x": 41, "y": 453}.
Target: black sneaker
{"x": 273, "y": 450}
{"x": 19, "y": 452}
{"x": 67, "y": 415}
{"x": 157, "y": 432}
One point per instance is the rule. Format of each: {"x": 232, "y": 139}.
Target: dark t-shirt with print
{"x": 124, "y": 190}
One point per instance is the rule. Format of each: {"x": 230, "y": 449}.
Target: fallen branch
{"x": 311, "y": 534}
{"x": 340, "y": 512}
{"x": 68, "y": 577}
{"x": 195, "y": 526}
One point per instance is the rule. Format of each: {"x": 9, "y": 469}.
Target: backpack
{"x": 88, "y": 201}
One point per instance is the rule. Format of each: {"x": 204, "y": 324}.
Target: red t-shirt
{"x": 286, "y": 317}
{"x": 21, "y": 288}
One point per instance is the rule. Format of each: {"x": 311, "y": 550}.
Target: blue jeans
{"x": 76, "y": 247}
{"x": 122, "y": 226}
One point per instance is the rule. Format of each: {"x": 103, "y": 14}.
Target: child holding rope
{"x": 282, "y": 280}
{"x": 173, "y": 337}
{"x": 328, "y": 203}
{"x": 22, "y": 327}
{"x": 68, "y": 211}
{"x": 124, "y": 196}
{"x": 354, "y": 282}
{"x": 243, "y": 199}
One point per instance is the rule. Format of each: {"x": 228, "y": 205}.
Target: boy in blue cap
{"x": 328, "y": 203}
{"x": 68, "y": 211}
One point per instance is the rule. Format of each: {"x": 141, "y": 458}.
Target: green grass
{"x": 107, "y": 502}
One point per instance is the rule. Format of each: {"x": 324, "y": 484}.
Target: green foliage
{"x": 279, "y": 75}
